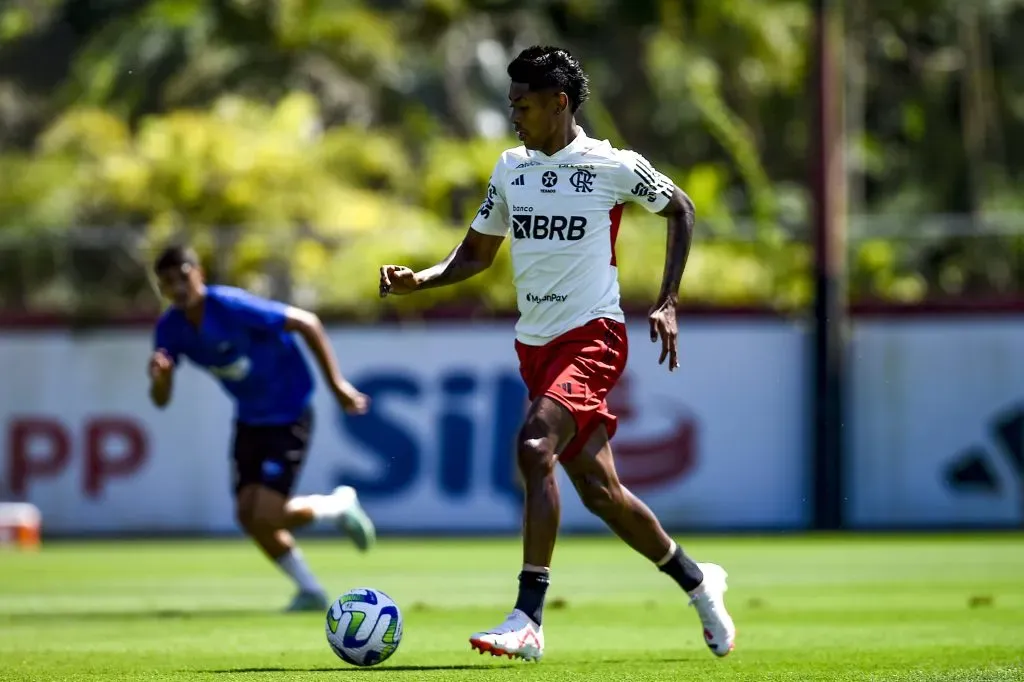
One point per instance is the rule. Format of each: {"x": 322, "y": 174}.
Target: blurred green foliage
{"x": 302, "y": 143}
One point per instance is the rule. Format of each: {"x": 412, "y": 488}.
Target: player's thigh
{"x": 267, "y": 508}
{"x": 605, "y": 359}
{"x": 548, "y": 426}
{"x": 245, "y": 504}
{"x": 583, "y": 373}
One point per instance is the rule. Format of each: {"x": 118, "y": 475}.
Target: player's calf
{"x": 593, "y": 475}
{"x": 601, "y": 492}
{"x": 260, "y": 512}
{"x": 601, "y": 498}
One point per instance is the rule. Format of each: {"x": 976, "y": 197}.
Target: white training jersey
{"x": 564, "y": 212}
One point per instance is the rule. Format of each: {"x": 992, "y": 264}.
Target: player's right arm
{"x": 161, "y": 367}
{"x": 161, "y": 377}
{"x": 474, "y": 254}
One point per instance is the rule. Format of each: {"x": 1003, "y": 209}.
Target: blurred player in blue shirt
{"x": 246, "y": 343}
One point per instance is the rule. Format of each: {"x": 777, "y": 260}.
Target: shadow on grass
{"x": 427, "y": 668}
{"x": 113, "y": 616}
{"x": 351, "y": 669}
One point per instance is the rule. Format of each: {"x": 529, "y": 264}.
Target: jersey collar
{"x": 574, "y": 146}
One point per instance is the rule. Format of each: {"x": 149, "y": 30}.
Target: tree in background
{"x": 298, "y": 141}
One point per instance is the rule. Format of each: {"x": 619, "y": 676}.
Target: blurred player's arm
{"x": 266, "y": 315}
{"x": 308, "y": 325}
{"x": 163, "y": 361}
{"x": 161, "y": 377}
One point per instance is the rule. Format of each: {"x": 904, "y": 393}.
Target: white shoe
{"x": 517, "y": 637}
{"x": 352, "y": 519}
{"x": 709, "y": 600}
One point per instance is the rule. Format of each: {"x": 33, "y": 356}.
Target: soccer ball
{"x": 364, "y": 626}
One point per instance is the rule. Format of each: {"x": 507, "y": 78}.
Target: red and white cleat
{"x": 518, "y": 637}
{"x": 709, "y": 600}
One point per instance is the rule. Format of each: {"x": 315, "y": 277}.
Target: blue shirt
{"x": 242, "y": 342}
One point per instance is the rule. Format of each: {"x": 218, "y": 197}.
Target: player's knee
{"x": 535, "y": 457}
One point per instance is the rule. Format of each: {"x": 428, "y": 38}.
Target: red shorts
{"x": 577, "y": 369}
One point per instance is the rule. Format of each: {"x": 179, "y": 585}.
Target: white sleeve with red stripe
{"x": 640, "y": 182}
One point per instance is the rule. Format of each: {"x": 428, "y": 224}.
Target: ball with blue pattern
{"x": 364, "y": 627}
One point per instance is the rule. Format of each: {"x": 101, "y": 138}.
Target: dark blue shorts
{"x": 271, "y": 455}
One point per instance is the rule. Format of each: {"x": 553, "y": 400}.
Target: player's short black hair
{"x": 545, "y": 66}
{"x": 174, "y": 257}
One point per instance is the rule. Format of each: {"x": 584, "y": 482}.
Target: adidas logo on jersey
{"x": 519, "y": 182}
{"x": 555, "y": 227}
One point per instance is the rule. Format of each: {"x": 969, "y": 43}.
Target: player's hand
{"x": 160, "y": 365}
{"x": 663, "y": 326}
{"x": 397, "y": 279}
{"x": 351, "y": 399}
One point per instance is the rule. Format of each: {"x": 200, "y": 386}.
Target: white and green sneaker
{"x": 354, "y": 521}
{"x": 308, "y": 601}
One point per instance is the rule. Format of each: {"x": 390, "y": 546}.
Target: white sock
{"x": 326, "y": 507}
{"x": 295, "y": 566}
{"x": 671, "y": 551}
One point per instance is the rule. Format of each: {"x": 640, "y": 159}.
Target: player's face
{"x": 182, "y": 286}
{"x": 534, "y": 114}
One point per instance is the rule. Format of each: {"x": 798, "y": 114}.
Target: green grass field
{"x": 808, "y": 608}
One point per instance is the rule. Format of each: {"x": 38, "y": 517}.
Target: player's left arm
{"x": 680, "y": 214}
{"x": 162, "y": 363}
{"x": 657, "y": 193}
{"x": 273, "y": 316}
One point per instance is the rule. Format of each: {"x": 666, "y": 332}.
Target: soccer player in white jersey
{"x": 562, "y": 194}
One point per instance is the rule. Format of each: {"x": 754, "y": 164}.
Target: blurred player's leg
{"x": 288, "y": 447}
{"x": 593, "y": 474}
{"x": 261, "y": 513}
{"x": 341, "y": 508}
{"x": 268, "y": 460}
